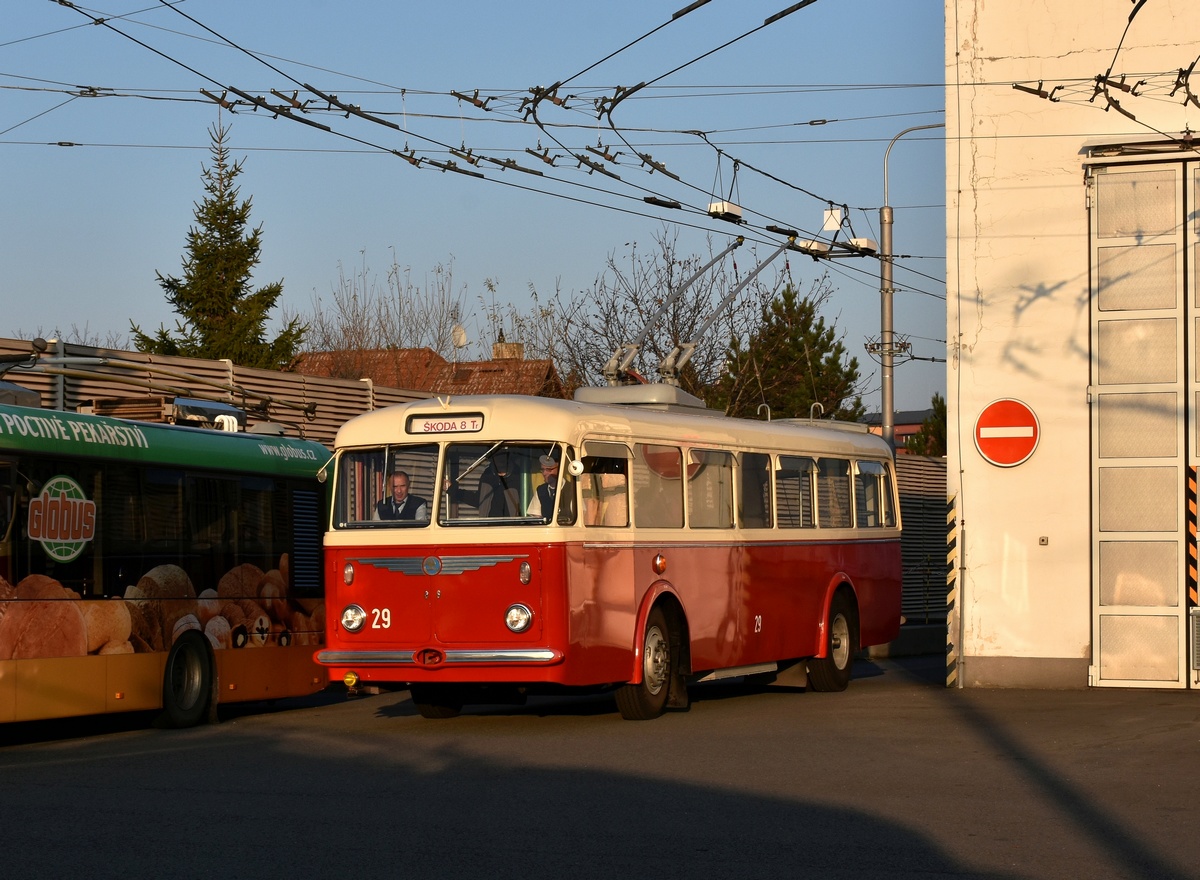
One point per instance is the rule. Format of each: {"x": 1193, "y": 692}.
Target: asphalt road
{"x": 897, "y": 777}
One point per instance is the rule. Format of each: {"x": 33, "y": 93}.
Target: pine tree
{"x": 220, "y": 315}
{"x": 931, "y": 439}
{"x": 790, "y": 362}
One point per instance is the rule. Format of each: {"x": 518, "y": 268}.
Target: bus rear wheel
{"x": 641, "y": 702}
{"x": 435, "y": 701}
{"x": 832, "y": 672}
{"x": 187, "y": 681}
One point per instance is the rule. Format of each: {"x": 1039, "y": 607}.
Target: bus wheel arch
{"x": 840, "y": 643}
{"x": 657, "y": 681}
{"x": 189, "y": 682}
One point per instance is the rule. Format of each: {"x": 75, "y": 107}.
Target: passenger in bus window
{"x": 542, "y": 503}
{"x": 497, "y": 497}
{"x": 497, "y": 492}
{"x": 402, "y": 504}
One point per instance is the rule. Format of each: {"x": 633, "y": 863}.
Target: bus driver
{"x": 402, "y": 505}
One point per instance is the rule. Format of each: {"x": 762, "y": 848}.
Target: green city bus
{"x": 149, "y": 566}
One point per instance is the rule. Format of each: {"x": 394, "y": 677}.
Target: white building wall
{"x": 1018, "y": 304}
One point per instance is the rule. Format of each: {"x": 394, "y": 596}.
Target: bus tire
{"x": 435, "y": 701}
{"x": 187, "y": 681}
{"x": 648, "y": 699}
{"x": 832, "y": 672}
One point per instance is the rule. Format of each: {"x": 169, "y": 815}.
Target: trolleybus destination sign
{"x": 445, "y": 423}
{"x": 1007, "y": 432}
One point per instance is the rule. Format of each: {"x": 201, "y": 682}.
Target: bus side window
{"x": 710, "y": 489}
{"x": 256, "y": 523}
{"x": 605, "y": 491}
{"x": 873, "y": 496}
{"x": 658, "y": 498}
{"x": 754, "y": 490}
{"x": 162, "y": 515}
{"x": 833, "y": 493}
{"x": 794, "y": 492}
{"x": 209, "y": 539}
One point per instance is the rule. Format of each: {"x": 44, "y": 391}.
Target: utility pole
{"x": 887, "y": 347}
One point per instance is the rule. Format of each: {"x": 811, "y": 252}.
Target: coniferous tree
{"x": 931, "y": 439}
{"x": 221, "y": 316}
{"x": 790, "y": 362}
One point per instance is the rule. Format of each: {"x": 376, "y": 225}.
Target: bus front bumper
{"x": 421, "y": 658}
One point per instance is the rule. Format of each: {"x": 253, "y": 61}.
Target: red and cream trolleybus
{"x": 482, "y": 548}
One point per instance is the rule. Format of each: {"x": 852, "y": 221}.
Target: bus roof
{"x": 76, "y": 435}
{"x": 519, "y": 417}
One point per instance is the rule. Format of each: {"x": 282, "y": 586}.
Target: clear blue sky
{"x": 812, "y": 100}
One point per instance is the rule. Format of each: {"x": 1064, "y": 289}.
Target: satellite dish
{"x": 459, "y": 336}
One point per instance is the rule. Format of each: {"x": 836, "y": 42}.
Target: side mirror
{"x": 575, "y": 467}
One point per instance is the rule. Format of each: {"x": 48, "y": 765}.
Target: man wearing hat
{"x": 543, "y": 504}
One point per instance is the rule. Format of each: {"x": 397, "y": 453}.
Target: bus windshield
{"x": 481, "y": 484}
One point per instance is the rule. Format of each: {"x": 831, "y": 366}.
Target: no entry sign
{"x": 1006, "y": 432}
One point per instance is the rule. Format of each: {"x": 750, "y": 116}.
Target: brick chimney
{"x": 502, "y": 350}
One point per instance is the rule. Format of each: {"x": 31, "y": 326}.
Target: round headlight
{"x": 353, "y": 618}
{"x": 518, "y": 618}
{"x": 348, "y": 573}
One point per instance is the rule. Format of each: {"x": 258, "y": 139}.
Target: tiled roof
{"x": 422, "y": 369}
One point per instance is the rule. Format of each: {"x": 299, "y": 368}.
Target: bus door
{"x": 603, "y": 584}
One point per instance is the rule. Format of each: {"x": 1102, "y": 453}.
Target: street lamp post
{"x": 887, "y": 350}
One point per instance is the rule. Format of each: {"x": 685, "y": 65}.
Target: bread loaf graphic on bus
{"x": 51, "y": 621}
{"x": 43, "y": 626}
{"x": 162, "y": 599}
{"x": 248, "y": 607}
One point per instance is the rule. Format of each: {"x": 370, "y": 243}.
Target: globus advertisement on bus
{"x": 484, "y": 548}
{"x": 142, "y": 564}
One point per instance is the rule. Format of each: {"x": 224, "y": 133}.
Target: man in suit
{"x": 402, "y": 505}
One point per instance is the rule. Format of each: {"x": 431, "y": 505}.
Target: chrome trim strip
{"x": 364, "y": 657}
{"x": 496, "y": 655}
{"x": 503, "y": 655}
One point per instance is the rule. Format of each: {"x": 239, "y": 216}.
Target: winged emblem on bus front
{"x": 431, "y": 565}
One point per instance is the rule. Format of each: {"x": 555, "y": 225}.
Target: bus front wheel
{"x": 641, "y": 702}
{"x": 435, "y": 701}
{"x": 832, "y": 672}
{"x": 187, "y": 681}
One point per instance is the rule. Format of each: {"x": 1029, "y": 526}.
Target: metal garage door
{"x": 1141, "y": 379}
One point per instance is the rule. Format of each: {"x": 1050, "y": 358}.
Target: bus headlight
{"x": 525, "y": 573}
{"x": 517, "y": 618}
{"x": 348, "y": 573}
{"x": 353, "y": 618}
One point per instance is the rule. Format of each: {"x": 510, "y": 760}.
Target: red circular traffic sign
{"x": 1006, "y": 432}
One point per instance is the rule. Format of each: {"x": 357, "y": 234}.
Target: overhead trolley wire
{"x": 292, "y": 112}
